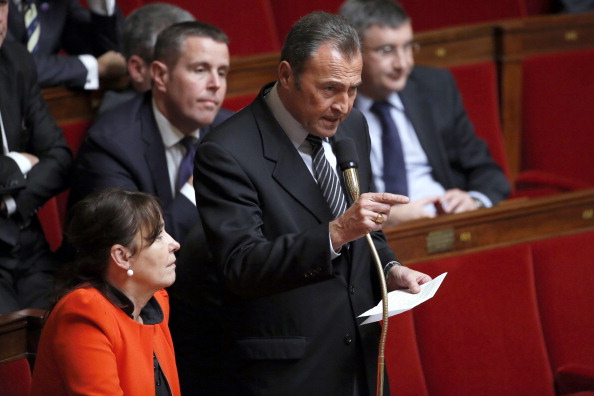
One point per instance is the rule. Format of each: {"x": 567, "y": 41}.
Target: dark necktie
{"x": 394, "y": 166}
{"x": 186, "y": 166}
{"x": 326, "y": 177}
{"x": 31, "y": 24}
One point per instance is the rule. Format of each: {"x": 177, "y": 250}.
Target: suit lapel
{"x": 154, "y": 152}
{"x": 418, "y": 109}
{"x": 290, "y": 171}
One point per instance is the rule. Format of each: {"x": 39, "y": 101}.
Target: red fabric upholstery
{"x": 435, "y": 14}
{"x": 402, "y": 357}
{"x": 478, "y": 85}
{"x": 564, "y": 270}
{"x": 538, "y": 7}
{"x": 74, "y": 133}
{"x": 287, "y": 12}
{"x": 481, "y": 333}
{"x": 557, "y": 113}
{"x": 238, "y": 102}
{"x": 15, "y": 378}
{"x": 51, "y": 220}
{"x": 250, "y": 27}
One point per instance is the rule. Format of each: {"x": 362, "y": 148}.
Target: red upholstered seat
{"x": 435, "y": 14}
{"x": 15, "y": 378}
{"x": 402, "y": 357}
{"x": 287, "y": 12}
{"x": 249, "y": 25}
{"x": 557, "y": 116}
{"x": 478, "y": 85}
{"x": 564, "y": 272}
{"x": 480, "y": 334}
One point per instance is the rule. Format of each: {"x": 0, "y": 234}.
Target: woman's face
{"x": 154, "y": 265}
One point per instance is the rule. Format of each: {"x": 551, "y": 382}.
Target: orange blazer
{"x": 91, "y": 347}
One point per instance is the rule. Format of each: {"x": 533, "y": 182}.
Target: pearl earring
{"x": 130, "y": 272}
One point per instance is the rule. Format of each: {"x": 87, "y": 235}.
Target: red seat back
{"x": 564, "y": 271}
{"x": 478, "y": 85}
{"x": 435, "y": 14}
{"x": 15, "y": 378}
{"x": 557, "y": 116}
{"x": 481, "y": 333}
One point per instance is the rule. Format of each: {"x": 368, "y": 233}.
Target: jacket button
{"x": 348, "y": 339}
{"x": 352, "y": 289}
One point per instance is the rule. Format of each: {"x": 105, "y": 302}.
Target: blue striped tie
{"x": 32, "y": 25}
{"x": 326, "y": 177}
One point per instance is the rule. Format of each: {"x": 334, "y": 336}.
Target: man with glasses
{"x": 423, "y": 144}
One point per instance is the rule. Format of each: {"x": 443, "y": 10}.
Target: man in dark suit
{"x": 296, "y": 273}
{"x": 138, "y": 146}
{"x": 90, "y": 39}
{"x": 34, "y": 166}
{"x": 448, "y": 169}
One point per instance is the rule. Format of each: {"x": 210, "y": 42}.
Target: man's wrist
{"x": 479, "y": 204}
{"x": 389, "y": 266}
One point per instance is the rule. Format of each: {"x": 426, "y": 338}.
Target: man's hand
{"x": 457, "y": 201}
{"x": 362, "y": 217}
{"x": 401, "y": 277}
{"x": 33, "y": 159}
{"x": 415, "y": 210}
{"x": 111, "y": 65}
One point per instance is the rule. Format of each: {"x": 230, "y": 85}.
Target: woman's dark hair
{"x": 95, "y": 224}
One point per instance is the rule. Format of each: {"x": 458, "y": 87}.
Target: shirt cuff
{"x": 102, "y": 7}
{"x": 481, "y": 197}
{"x": 90, "y": 63}
{"x": 10, "y": 205}
{"x": 22, "y": 162}
{"x": 189, "y": 192}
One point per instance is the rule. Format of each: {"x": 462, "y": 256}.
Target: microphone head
{"x": 346, "y": 154}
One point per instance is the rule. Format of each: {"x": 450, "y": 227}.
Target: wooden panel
{"x": 19, "y": 334}
{"x": 511, "y": 222}
{"x": 249, "y": 73}
{"x": 459, "y": 45}
{"x": 70, "y": 105}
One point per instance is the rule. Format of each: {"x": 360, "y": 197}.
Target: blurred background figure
{"x": 108, "y": 332}
{"x": 71, "y": 45}
{"x": 422, "y": 143}
{"x": 34, "y": 166}
{"x": 139, "y": 34}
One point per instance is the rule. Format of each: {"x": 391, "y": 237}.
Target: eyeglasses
{"x": 390, "y": 51}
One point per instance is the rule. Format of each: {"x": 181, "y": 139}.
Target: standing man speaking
{"x": 295, "y": 271}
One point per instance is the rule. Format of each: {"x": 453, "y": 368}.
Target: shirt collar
{"x": 151, "y": 313}
{"x": 294, "y": 130}
{"x": 366, "y": 102}
{"x": 169, "y": 132}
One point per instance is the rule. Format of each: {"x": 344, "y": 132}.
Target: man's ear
{"x": 160, "y": 75}
{"x": 137, "y": 68}
{"x": 121, "y": 256}
{"x": 285, "y": 74}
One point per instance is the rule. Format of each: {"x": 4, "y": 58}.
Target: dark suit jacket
{"x": 124, "y": 149}
{"x": 458, "y": 158}
{"x": 289, "y": 311}
{"x": 29, "y": 128}
{"x": 66, "y": 25}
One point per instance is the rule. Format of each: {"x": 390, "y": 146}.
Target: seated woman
{"x": 108, "y": 332}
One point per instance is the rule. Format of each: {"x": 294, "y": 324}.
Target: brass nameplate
{"x": 440, "y": 241}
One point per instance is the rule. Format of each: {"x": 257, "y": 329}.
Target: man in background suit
{"x": 90, "y": 39}
{"x": 448, "y": 169}
{"x": 139, "y": 34}
{"x": 295, "y": 276}
{"x": 34, "y": 166}
{"x": 138, "y": 146}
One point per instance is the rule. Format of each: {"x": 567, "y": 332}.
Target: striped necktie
{"x": 326, "y": 177}
{"x": 31, "y": 24}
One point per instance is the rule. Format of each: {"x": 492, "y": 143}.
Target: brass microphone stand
{"x": 352, "y": 182}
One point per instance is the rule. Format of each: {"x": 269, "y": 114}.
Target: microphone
{"x": 348, "y": 163}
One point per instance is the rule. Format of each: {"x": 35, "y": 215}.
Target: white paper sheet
{"x": 402, "y": 300}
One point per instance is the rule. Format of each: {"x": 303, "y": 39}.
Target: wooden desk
{"x": 511, "y": 222}
{"x": 19, "y": 334}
